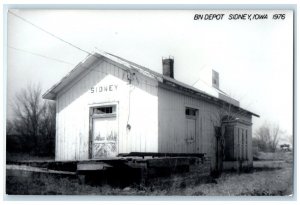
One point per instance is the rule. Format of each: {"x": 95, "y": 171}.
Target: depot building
{"x": 108, "y": 105}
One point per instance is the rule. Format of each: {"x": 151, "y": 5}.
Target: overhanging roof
{"x": 73, "y": 74}
{"x": 95, "y": 57}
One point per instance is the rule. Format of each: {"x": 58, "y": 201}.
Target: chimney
{"x": 168, "y": 67}
{"x": 215, "y": 79}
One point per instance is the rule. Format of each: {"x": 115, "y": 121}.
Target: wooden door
{"x": 191, "y": 135}
{"x": 104, "y": 133}
{"x": 229, "y": 143}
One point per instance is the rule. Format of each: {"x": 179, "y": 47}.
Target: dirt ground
{"x": 272, "y": 176}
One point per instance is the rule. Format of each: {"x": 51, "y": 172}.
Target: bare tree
{"x": 275, "y": 136}
{"x": 226, "y": 112}
{"x": 34, "y": 119}
{"x": 268, "y": 136}
{"x": 9, "y": 127}
{"x": 47, "y": 127}
{"x": 290, "y": 139}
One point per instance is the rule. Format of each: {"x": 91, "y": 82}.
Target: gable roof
{"x": 90, "y": 60}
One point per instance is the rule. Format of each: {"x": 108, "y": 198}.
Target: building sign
{"x": 105, "y": 88}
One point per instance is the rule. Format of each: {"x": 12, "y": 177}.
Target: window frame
{"x": 189, "y": 116}
{"x": 104, "y": 115}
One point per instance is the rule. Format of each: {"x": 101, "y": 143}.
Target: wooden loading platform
{"x": 135, "y": 167}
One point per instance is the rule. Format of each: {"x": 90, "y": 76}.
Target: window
{"x": 104, "y": 110}
{"x": 190, "y": 111}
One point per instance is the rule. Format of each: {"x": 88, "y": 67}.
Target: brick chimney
{"x": 168, "y": 67}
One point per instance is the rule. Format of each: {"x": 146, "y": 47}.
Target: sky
{"x": 254, "y": 58}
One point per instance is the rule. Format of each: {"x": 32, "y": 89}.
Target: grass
{"x": 269, "y": 178}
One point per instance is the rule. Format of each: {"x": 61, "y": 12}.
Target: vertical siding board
{"x": 57, "y": 134}
{"x": 79, "y": 133}
{"x": 74, "y": 130}
{"x": 58, "y": 131}
{"x": 63, "y": 130}
{"x": 81, "y": 116}
{"x": 121, "y": 128}
{"x": 70, "y": 127}
{"x": 235, "y": 147}
{"x": 67, "y": 129}
{"x": 250, "y": 144}
{"x": 173, "y": 123}
{"x": 163, "y": 119}
{"x": 60, "y": 134}
{"x": 69, "y": 140}
{"x": 159, "y": 123}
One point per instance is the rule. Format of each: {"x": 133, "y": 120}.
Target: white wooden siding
{"x": 73, "y": 102}
{"x": 172, "y": 131}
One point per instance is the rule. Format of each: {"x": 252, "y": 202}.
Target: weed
{"x": 268, "y": 179}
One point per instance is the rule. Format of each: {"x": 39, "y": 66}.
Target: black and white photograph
{"x": 150, "y": 102}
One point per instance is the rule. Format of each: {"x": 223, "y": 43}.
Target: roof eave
{"x": 51, "y": 93}
{"x": 203, "y": 94}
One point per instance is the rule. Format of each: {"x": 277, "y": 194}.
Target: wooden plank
{"x": 137, "y": 164}
{"x": 161, "y": 154}
{"x": 92, "y": 166}
{"x": 37, "y": 169}
{"x": 167, "y": 162}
